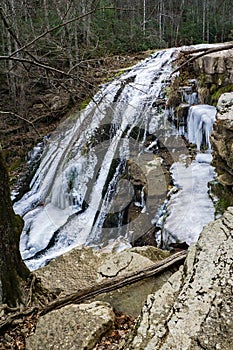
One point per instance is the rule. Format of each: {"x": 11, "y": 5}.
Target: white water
{"x": 66, "y": 195}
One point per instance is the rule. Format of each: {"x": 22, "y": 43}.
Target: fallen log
{"x": 82, "y": 295}
{"x": 115, "y": 283}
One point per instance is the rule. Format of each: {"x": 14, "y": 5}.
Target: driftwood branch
{"x": 203, "y": 52}
{"x": 116, "y": 283}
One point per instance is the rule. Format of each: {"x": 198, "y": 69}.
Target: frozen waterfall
{"x": 102, "y": 163}
{"x": 191, "y": 208}
{"x": 200, "y": 124}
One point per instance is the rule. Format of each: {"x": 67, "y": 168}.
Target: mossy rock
{"x": 218, "y": 91}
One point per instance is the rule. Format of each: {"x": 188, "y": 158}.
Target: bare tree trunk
{"x": 13, "y": 271}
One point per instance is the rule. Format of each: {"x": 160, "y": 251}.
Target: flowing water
{"x": 100, "y": 179}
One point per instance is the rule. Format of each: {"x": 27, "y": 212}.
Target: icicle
{"x": 200, "y": 124}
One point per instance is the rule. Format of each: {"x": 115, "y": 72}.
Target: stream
{"x": 103, "y": 176}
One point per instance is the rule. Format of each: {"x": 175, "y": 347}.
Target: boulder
{"x": 217, "y": 67}
{"x": 69, "y": 272}
{"x": 84, "y": 267}
{"x": 130, "y": 299}
{"x": 222, "y": 140}
{"x": 72, "y": 327}
{"x": 194, "y": 309}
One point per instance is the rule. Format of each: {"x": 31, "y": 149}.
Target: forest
{"x": 43, "y": 41}
{"x": 54, "y": 54}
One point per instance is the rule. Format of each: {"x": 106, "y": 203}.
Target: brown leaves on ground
{"x": 14, "y": 336}
{"x": 113, "y": 338}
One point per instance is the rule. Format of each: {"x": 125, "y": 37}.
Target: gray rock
{"x": 130, "y": 299}
{"x": 194, "y": 309}
{"x": 71, "y": 271}
{"x": 72, "y": 327}
{"x": 222, "y": 140}
{"x": 85, "y": 267}
{"x": 217, "y": 67}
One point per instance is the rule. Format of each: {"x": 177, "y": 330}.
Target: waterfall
{"x": 72, "y": 192}
{"x": 81, "y": 192}
{"x": 200, "y": 124}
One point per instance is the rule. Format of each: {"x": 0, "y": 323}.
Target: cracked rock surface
{"x": 194, "y": 309}
{"x": 84, "y": 267}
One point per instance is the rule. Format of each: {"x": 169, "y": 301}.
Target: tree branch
{"x": 38, "y": 64}
{"x": 116, "y": 283}
{"x": 22, "y": 118}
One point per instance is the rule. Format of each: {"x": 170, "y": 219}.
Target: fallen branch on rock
{"x": 115, "y": 283}
{"x": 88, "y": 293}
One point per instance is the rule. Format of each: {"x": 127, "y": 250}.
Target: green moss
{"x": 14, "y": 166}
{"x": 222, "y": 197}
{"x": 217, "y": 92}
{"x": 172, "y": 93}
{"x": 84, "y": 103}
{"x": 202, "y": 80}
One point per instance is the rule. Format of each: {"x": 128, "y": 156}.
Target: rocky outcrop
{"x": 82, "y": 268}
{"x": 72, "y": 327}
{"x": 214, "y": 73}
{"x": 222, "y": 140}
{"x": 193, "y": 310}
{"x": 81, "y": 326}
{"x": 217, "y": 67}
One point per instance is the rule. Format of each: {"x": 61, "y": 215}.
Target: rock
{"x": 71, "y": 271}
{"x": 217, "y": 67}
{"x": 222, "y": 140}
{"x": 117, "y": 264}
{"x": 130, "y": 299}
{"x": 154, "y": 182}
{"x": 84, "y": 267}
{"x": 194, "y": 309}
{"x": 72, "y": 327}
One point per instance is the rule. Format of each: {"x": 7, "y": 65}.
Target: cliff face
{"x": 217, "y": 67}
{"x": 215, "y": 75}
{"x": 193, "y": 310}
{"x": 222, "y": 140}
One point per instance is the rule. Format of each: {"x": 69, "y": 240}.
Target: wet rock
{"x": 72, "y": 327}
{"x": 142, "y": 211}
{"x": 193, "y": 310}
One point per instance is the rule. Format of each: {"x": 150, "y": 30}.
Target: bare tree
{"x": 13, "y": 271}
